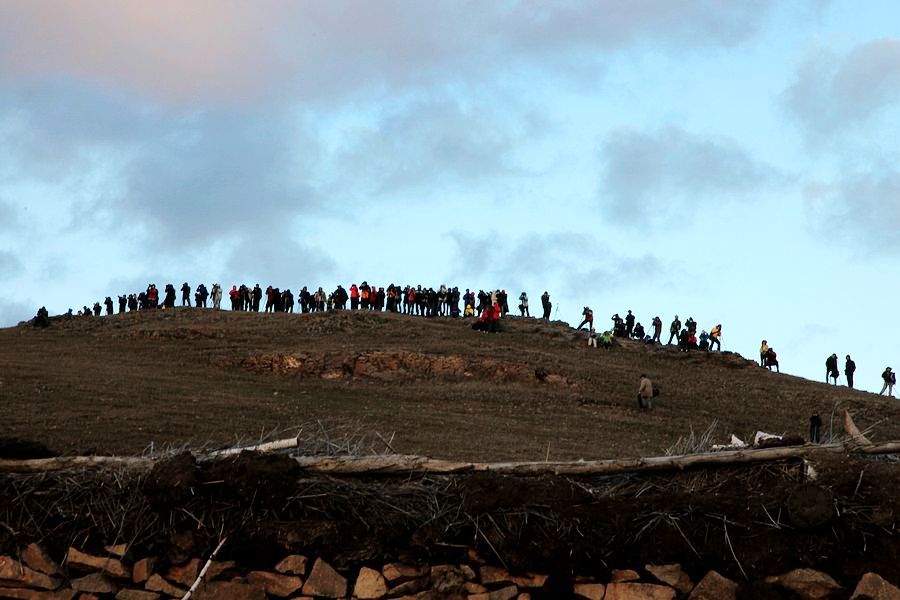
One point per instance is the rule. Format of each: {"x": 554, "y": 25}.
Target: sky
{"x": 733, "y": 161}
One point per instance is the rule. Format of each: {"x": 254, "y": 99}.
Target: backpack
{"x": 655, "y": 390}
{"x": 893, "y": 378}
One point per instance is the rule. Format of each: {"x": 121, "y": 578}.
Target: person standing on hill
{"x": 691, "y": 325}
{"x": 123, "y": 303}
{"x": 657, "y": 329}
{"x": 185, "y": 294}
{"x": 889, "y": 380}
{"x": 849, "y": 370}
{"x": 523, "y": 304}
{"x": 674, "y": 330}
{"x": 217, "y": 296}
{"x": 545, "y": 302}
{"x": 763, "y": 349}
{"x": 109, "y": 306}
{"x": 714, "y": 334}
{"x": 256, "y": 295}
{"x": 831, "y": 369}
{"x": 645, "y": 392}
{"x": 588, "y": 315}
{"x": 629, "y": 324}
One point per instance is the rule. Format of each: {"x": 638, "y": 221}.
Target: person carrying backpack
{"x": 588, "y": 315}
{"x": 771, "y": 360}
{"x": 890, "y": 378}
{"x": 831, "y": 369}
{"x": 714, "y": 334}
{"x": 645, "y": 392}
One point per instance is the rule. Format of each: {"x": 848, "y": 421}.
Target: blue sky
{"x": 731, "y": 161}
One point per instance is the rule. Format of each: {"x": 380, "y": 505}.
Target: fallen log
{"x": 390, "y": 464}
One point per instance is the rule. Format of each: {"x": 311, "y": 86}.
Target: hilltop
{"x": 114, "y": 385}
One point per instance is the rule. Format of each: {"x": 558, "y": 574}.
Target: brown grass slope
{"x": 116, "y": 384}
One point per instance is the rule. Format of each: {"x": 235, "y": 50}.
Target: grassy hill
{"x": 428, "y": 386}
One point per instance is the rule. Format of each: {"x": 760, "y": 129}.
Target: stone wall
{"x": 33, "y": 574}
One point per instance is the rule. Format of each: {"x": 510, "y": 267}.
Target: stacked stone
{"x": 36, "y": 576}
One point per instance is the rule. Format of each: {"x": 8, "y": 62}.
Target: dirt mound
{"x": 391, "y": 366}
{"x": 146, "y": 379}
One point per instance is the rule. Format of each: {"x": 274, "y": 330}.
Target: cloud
{"x": 647, "y": 176}
{"x": 573, "y": 263}
{"x": 861, "y": 208}
{"x": 10, "y": 265}
{"x": 833, "y": 93}
{"x": 279, "y": 260}
{"x": 436, "y": 141}
{"x": 238, "y": 51}
{"x": 9, "y": 216}
{"x": 179, "y": 179}
{"x": 14, "y": 311}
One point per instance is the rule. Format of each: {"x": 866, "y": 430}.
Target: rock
{"x": 216, "y": 569}
{"x": 87, "y": 596}
{"x": 12, "y": 572}
{"x": 118, "y": 550}
{"x": 24, "y": 594}
{"x": 591, "y": 591}
{"x": 157, "y": 584}
{"x": 492, "y": 575}
{"x": 872, "y": 587}
{"x": 714, "y": 587}
{"x": 506, "y": 593}
{"x": 35, "y": 557}
{"x": 184, "y": 575}
{"x": 325, "y": 581}
{"x": 136, "y": 595}
{"x": 397, "y": 573}
{"x": 220, "y": 590}
{"x": 474, "y": 557}
{"x": 474, "y": 588}
{"x": 523, "y": 596}
{"x": 143, "y": 569}
{"x": 413, "y": 586}
{"x": 95, "y": 583}
{"x": 638, "y": 591}
{"x": 464, "y": 571}
{"x": 807, "y": 583}
{"x": 86, "y": 562}
{"x": 275, "y": 584}
{"x": 672, "y": 575}
{"x": 292, "y": 565}
{"x": 370, "y": 584}
{"x": 624, "y": 575}
{"x": 450, "y": 579}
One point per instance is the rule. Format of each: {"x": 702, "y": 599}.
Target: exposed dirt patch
{"x": 398, "y": 366}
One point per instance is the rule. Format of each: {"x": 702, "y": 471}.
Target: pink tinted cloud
{"x": 196, "y": 50}
{"x": 169, "y": 48}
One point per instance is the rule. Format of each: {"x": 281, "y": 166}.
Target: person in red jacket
{"x": 354, "y": 297}
{"x": 235, "y": 296}
{"x": 496, "y": 312}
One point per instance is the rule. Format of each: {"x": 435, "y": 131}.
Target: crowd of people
{"x": 486, "y": 307}
{"x": 685, "y": 336}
